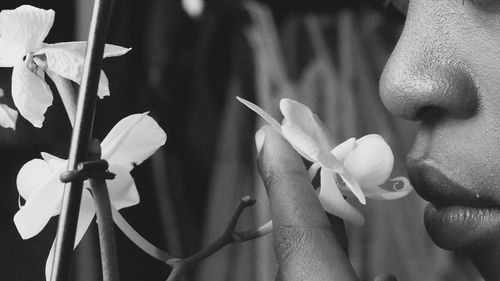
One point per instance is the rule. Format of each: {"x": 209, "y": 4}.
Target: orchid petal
{"x": 31, "y": 95}
{"x": 304, "y": 144}
{"x": 332, "y": 201}
{"x": 275, "y": 124}
{"x": 352, "y": 184}
{"x": 371, "y": 161}
{"x": 67, "y": 58}
{"x": 85, "y": 217}
{"x": 341, "y": 150}
{"x": 134, "y": 139}
{"x": 10, "y": 53}
{"x": 54, "y": 162}
{"x": 8, "y": 116}
{"x": 313, "y": 170}
{"x": 27, "y": 26}
{"x": 268, "y": 118}
{"x": 63, "y": 62}
{"x": 80, "y": 48}
{"x": 301, "y": 116}
{"x": 39, "y": 184}
{"x": 375, "y": 192}
{"x": 308, "y": 147}
{"x": 49, "y": 262}
{"x": 122, "y": 190}
{"x": 38, "y": 171}
{"x": 103, "y": 89}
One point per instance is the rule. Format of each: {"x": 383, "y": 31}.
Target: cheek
{"x": 469, "y": 149}
{"x": 474, "y": 143}
{"x": 477, "y": 37}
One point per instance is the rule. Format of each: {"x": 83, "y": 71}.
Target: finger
{"x": 385, "y": 277}
{"x": 305, "y": 246}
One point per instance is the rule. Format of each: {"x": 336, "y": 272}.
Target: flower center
{"x": 30, "y": 63}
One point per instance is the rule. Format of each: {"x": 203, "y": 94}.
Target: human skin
{"x": 444, "y": 72}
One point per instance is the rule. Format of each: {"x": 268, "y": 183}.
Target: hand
{"x": 305, "y": 243}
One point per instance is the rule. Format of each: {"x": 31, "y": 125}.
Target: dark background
{"x": 178, "y": 69}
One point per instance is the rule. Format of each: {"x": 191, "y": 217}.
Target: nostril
{"x": 430, "y": 115}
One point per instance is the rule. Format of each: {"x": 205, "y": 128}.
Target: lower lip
{"x": 460, "y": 227}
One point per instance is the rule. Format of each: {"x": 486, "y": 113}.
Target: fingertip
{"x": 275, "y": 148}
{"x": 287, "y": 183}
{"x": 277, "y": 157}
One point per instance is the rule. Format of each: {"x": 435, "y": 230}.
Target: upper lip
{"x": 434, "y": 186}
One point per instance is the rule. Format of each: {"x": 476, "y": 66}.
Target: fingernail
{"x": 260, "y": 136}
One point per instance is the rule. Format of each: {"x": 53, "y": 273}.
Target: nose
{"x": 424, "y": 76}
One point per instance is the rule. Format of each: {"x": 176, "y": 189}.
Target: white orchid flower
{"x": 8, "y": 117}
{"x": 131, "y": 141}
{"x": 362, "y": 164}
{"x": 22, "y": 32}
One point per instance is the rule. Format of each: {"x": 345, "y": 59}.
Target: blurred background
{"x": 189, "y": 60}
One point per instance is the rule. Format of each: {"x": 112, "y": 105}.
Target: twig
{"x": 229, "y": 236}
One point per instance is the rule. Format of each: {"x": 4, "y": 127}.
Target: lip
{"x": 458, "y": 216}
{"x": 437, "y": 188}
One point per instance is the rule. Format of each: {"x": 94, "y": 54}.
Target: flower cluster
{"x": 22, "y": 32}
{"x": 134, "y": 139}
{"x": 130, "y": 142}
{"x": 362, "y": 165}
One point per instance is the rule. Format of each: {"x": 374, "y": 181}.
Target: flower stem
{"x": 107, "y": 242}
{"x": 229, "y": 236}
{"x": 80, "y": 140}
{"x": 137, "y": 239}
{"x": 67, "y": 94}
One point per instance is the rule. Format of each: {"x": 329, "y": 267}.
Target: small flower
{"x": 194, "y": 8}
{"x": 22, "y": 32}
{"x": 362, "y": 165}
{"x": 130, "y": 142}
{"x": 8, "y": 116}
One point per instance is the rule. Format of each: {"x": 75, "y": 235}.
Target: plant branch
{"x": 107, "y": 241}
{"x": 229, "y": 236}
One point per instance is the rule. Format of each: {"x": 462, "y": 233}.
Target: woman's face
{"x": 445, "y": 72}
